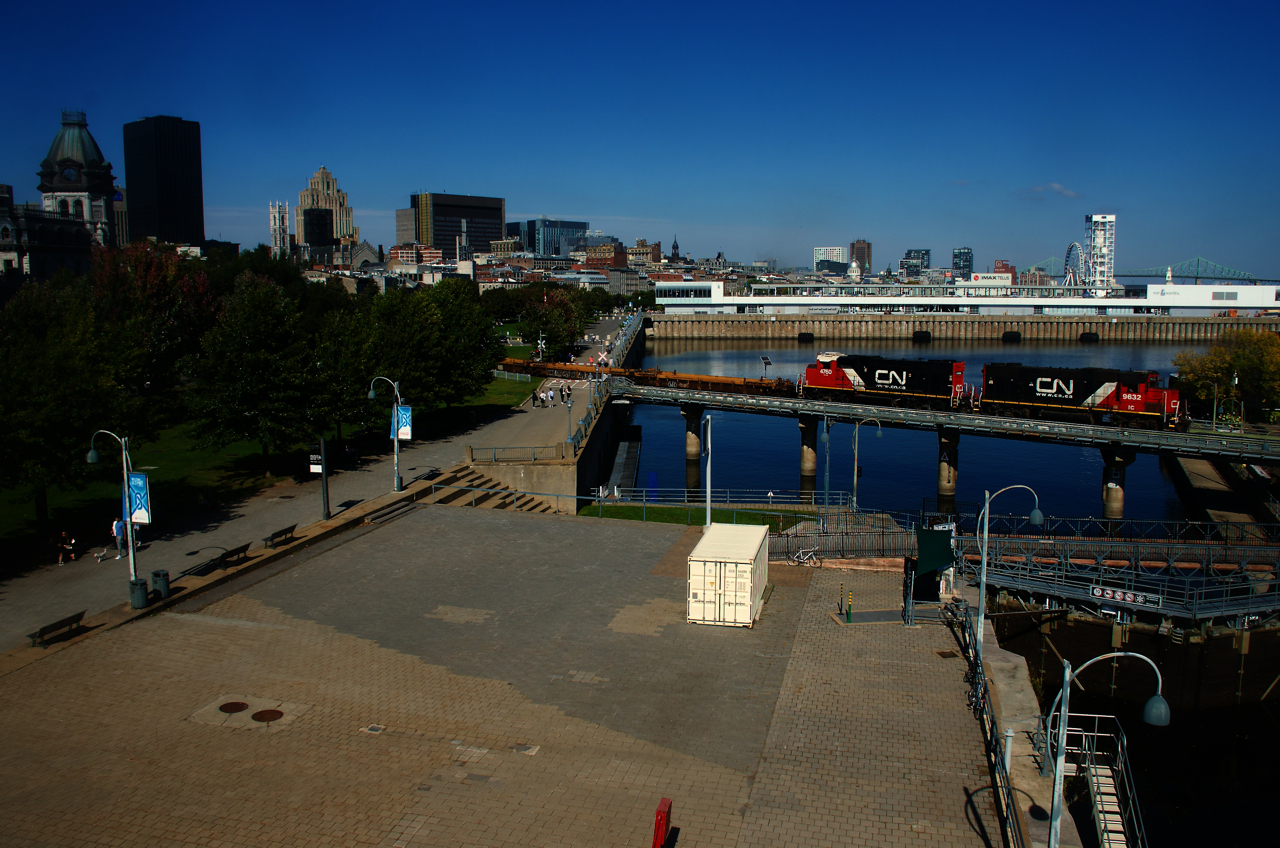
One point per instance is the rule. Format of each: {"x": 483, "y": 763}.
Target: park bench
{"x": 69, "y": 623}
{"x": 286, "y": 533}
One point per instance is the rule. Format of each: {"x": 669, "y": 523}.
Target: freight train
{"x": 1083, "y": 395}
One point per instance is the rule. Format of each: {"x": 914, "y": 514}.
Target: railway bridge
{"x": 1119, "y": 446}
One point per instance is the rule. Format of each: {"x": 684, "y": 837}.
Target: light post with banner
{"x": 135, "y": 506}
{"x": 1155, "y": 712}
{"x": 319, "y": 465}
{"x": 401, "y": 425}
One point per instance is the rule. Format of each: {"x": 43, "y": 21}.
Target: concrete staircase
{"x": 467, "y": 479}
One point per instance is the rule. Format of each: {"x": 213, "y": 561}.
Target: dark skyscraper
{"x": 962, "y": 260}
{"x": 166, "y": 187}
{"x": 437, "y": 221}
{"x": 860, "y": 252}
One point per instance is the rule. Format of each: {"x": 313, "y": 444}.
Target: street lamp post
{"x": 1215, "y": 404}
{"x": 826, "y": 477}
{"x": 397, "y": 483}
{"x": 1155, "y": 712}
{"x": 1037, "y": 518}
{"x": 568, "y": 404}
{"x": 706, "y": 449}
{"x": 856, "y": 469}
{"x": 126, "y": 466}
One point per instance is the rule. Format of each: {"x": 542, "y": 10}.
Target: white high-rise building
{"x": 279, "y": 230}
{"x": 835, "y": 254}
{"x": 1100, "y": 250}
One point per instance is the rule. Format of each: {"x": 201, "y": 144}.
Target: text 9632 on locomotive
{"x": 1088, "y": 395}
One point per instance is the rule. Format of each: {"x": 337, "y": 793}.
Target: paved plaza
{"x": 470, "y": 677}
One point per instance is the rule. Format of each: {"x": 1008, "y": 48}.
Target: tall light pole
{"x": 856, "y": 469}
{"x": 825, "y": 436}
{"x": 127, "y": 499}
{"x": 1155, "y": 712}
{"x": 1215, "y": 404}
{"x": 1037, "y": 518}
{"x": 568, "y": 404}
{"x": 706, "y": 449}
{"x": 398, "y": 485}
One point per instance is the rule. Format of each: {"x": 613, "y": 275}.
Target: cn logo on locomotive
{"x": 885, "y": 377}
{"x": 1054, "y": 386}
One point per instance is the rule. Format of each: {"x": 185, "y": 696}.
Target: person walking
{"x": 66, "y": 548}
{"x": 117, "y": 531}
{"x": 533, "y": 399}
{"x": 543, "y": 397}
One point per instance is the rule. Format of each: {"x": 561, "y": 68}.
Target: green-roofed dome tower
{"x": 76, "y": 181}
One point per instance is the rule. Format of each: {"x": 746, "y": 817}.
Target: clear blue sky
{"x": 759, "y": 129}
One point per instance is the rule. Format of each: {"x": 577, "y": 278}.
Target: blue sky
{"x": 759, "y": 129}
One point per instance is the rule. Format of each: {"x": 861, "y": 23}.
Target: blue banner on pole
{"x": 139, "y": 508}
{"x": 403, "y": 423}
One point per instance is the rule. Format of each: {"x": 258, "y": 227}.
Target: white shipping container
{"x": 727, "y": 574}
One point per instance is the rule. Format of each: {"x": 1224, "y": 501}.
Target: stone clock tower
{"x": 76, "y": 182}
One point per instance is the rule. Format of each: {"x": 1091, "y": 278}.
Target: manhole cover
{"x": 234, "y": 707}
{"x": 948, "y": 655}
{"x": 267, "y": 715}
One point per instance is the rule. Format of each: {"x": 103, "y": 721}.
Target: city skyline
{"x": 1003, "y": 148}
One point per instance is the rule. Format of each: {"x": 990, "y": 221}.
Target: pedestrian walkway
{"x": 448, "y": 679}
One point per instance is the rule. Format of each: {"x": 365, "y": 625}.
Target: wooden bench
{"x": 69, "y": 623}
{"x": 286, "y": 533}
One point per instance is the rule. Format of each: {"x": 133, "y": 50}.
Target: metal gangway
{"x": 1096, "y": 749}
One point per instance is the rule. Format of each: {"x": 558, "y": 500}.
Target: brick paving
{"x": 463, "y": 677}
{"x": 871, "y": 743}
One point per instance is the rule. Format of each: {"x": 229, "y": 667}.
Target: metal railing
{"x": 1096, "y": 745}
{"x": 511, "y": 375}
{"x": 960, "y": 617}
{"x": 517, "y": 454}
{"x": 769, "y": 497}
{"x": 1188, "y": 580}
{"x": 1114, "y": 529}
{"x": 1243, "y": 447}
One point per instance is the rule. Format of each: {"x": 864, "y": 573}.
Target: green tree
{"x": 1242, "y": 364}
{"x": 61, "y": 384}
{"x": 251, "y": 381}
{"x": 470, "y": 345}
{"x": 551, "y": 318}
{"x": 406, "y": 345}
{"x": 342, "y": 351}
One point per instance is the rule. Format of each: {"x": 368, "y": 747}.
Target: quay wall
{"x": 955, "y": 327}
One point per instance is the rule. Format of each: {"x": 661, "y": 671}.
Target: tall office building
{"x": 860, "y": 250}
{"x": 166, "y": 184}
{"x": 962, "y": 260}
{"x": 1100, "y": 250}
{"x": 317, "y": 227}
{"x": 547, "y": 237}
{"x": 437, "y": 221}
{"x": 322, "y": 193}
{"x": 920, "y": 255}
{"x": 831, "y": 254}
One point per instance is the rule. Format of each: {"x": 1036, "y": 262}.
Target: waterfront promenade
{"x": 471, "y": 677}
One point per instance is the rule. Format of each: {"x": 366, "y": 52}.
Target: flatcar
{"x": 1088, "y": 395}
{"x": 914, "y": 383}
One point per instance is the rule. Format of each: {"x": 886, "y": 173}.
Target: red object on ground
{"x": 662, "y": 823}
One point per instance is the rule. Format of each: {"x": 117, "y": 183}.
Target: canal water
{"x": 900, "y": 467}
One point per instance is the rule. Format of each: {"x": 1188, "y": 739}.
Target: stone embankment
{"x": 956, "y": 327}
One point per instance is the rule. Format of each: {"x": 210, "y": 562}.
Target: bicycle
{"x": 806, "y": 556}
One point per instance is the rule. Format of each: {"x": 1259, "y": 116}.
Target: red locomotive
{"x": 1086, "y": 395}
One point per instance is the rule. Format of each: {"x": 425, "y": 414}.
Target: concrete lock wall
{"x": 576, "y": 477}
{"x": 955, "y": 327}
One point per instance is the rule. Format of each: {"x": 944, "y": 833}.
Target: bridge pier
{"x": 1115, "y": 458}
{"x": 692, "y": 431}
{"x": 948, "y": 468}
{"x": 809, "y": 425}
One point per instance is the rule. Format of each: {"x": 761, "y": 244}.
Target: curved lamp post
{"x": 395, "y": 425}
{"x": 1037, "y": 518}
{"x": 1155, "y": 712}
{"x": 126, "y": 466}
{"x": 879, "y": 434}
